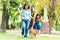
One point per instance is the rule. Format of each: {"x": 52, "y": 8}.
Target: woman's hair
{"x": 36, "y": 17}
{"x": 25, "y": 5}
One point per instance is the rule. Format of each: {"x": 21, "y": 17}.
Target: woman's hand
{"x": 33, "y": 18}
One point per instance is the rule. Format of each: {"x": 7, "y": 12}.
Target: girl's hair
{"x": 36, "y": 17}
{"x": 25, "y": 5}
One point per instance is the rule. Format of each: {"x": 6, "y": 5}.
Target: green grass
{"x": 4, "y": 36}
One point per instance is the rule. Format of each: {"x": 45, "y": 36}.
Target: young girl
{"x": 36, "y": 23}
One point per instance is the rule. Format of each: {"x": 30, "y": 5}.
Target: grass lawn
{"x": 4, "y": 36}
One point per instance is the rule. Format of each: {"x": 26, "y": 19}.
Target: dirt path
{"x": 18, "y": 32}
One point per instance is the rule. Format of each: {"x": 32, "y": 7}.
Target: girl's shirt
{"x": 26, "y": 14}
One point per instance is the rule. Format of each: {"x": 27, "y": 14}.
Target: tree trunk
{"x": 51, "y": 10}
{"x": 56, "y": 24}
{"x": 50, "y": 25}
{"x": 7, "y": 20}
{"x": 3, "y": 25}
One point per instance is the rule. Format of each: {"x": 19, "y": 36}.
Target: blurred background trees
{"x": 10, "y": 18}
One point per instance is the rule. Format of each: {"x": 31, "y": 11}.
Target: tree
{"x": 3, "y": 25}
{"x": 50, "y": 11}
{"x": 57, "y": 13}
{"x": 39, "y": 7}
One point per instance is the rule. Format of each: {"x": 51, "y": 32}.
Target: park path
{"x": 18, "y": 32}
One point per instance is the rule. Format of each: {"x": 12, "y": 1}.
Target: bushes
{"x": 16, "y": 25}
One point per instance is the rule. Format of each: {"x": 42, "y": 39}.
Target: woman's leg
{"x": 23, "y": 25}
{"x": 26, "y": 28}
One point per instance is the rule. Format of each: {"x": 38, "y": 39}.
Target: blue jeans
{"x": 25, "y": 26}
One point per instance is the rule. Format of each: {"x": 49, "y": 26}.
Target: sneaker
{"x": 25, "y": 36}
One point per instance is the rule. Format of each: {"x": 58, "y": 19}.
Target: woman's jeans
{"x": 25, "y": 26}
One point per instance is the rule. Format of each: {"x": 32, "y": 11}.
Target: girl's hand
{"x": 31, "y": 27}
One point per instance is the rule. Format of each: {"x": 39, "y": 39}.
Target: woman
{"x": 25, "y": 16}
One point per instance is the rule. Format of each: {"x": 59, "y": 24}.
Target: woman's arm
{"x": 33, "y": 23}
{"x": 19, "y": 11}
{"x": 30, "y": 13}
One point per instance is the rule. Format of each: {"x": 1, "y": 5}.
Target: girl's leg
{"x": 37, "y": 33}
{"x": 23, "y": 25}
{"x": 26, "y": 28}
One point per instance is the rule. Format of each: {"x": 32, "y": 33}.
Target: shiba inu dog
{"x": 33, "y": 32}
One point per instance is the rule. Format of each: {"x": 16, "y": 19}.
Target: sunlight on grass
{"x": 4, "y": 36}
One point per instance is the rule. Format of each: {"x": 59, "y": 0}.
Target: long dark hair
{"x": 25, "y": 5}
{"x": 36, "y": 17}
